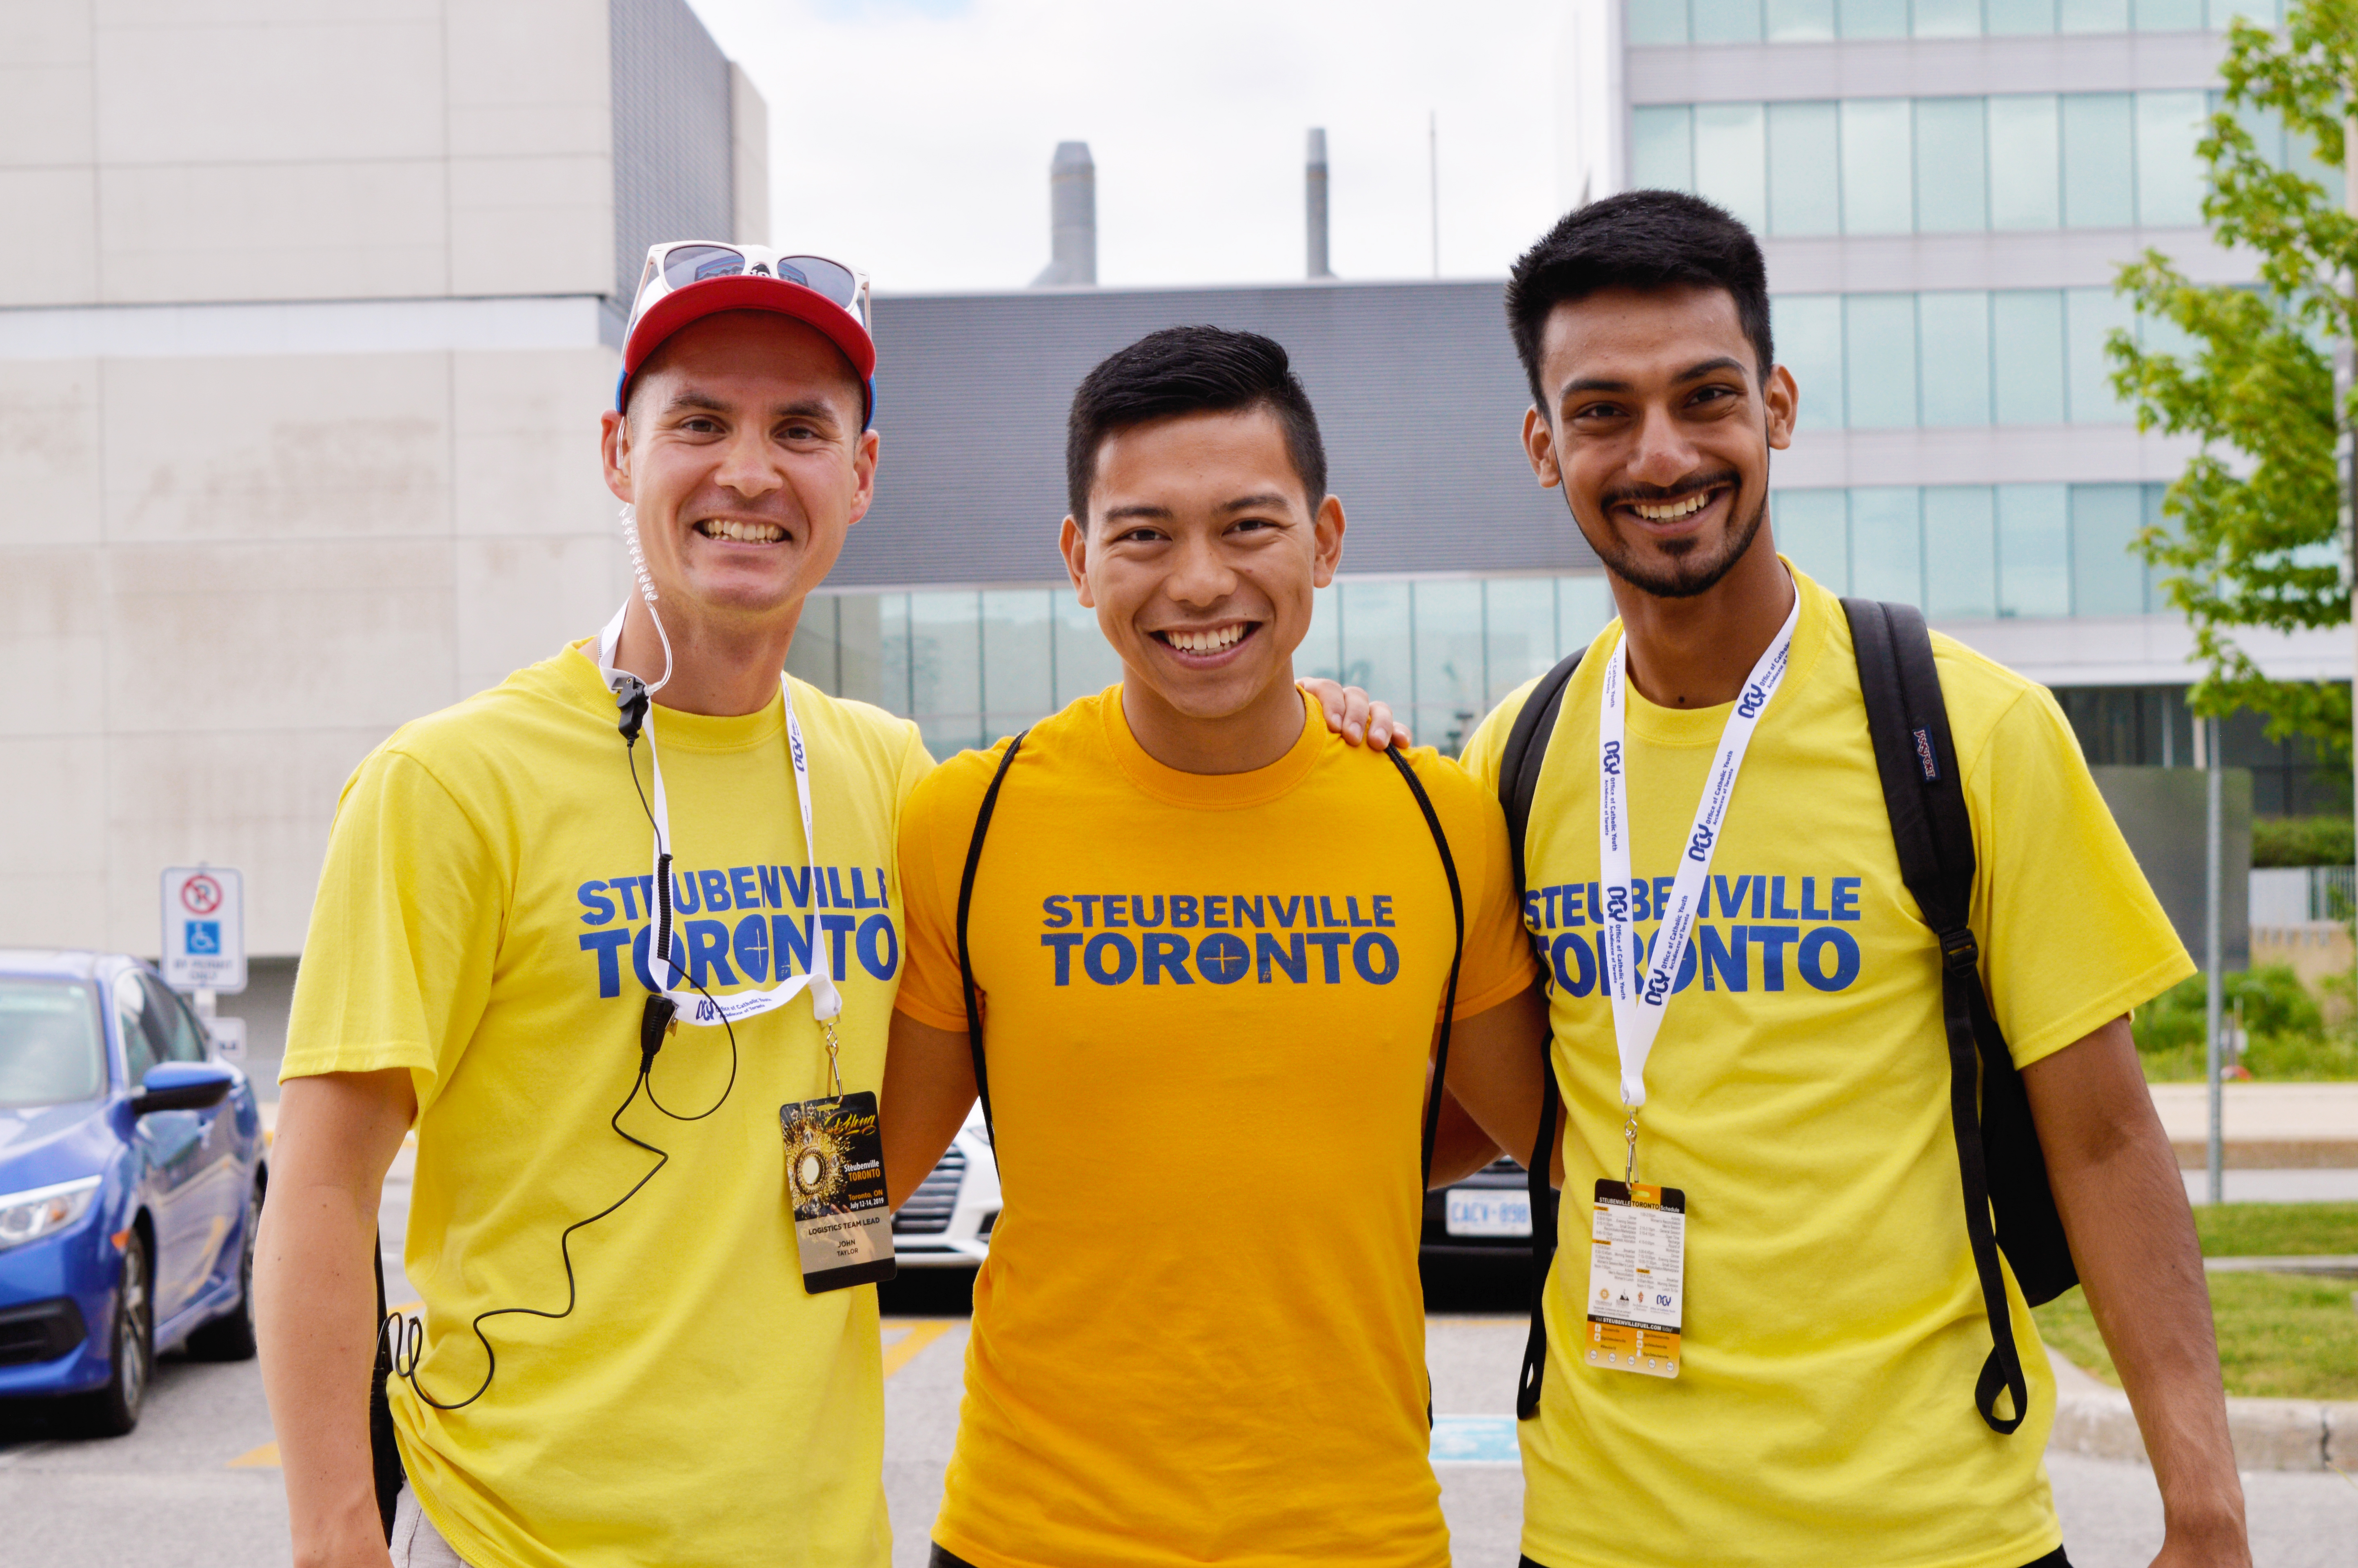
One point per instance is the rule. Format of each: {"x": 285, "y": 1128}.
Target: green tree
{"x": 2253, "y": 530}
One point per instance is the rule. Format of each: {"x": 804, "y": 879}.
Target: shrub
{"x": 2301, "y": 840}
{"x": 2277, "y": 1007}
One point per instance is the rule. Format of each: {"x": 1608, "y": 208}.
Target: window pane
{"x": 2094, "y": 315}
{"x": 1800, "y": 21}
{"x": 1663, "y": 22}
{"x": 1948, "y": 18}
{"x": 1804, "y": 161}
{"x": 811, "y": 656}
{"x": 2021, "y": 16}
{"x": 2300, "y": 158}
{"x": 2107, "y": 575}
{"x": 1954, "y": 367}
{"x": 1018, "y": 682}
{"x": 1880, "y": 330}
{"x": 2093, "y": 15}
{"x": 1661, "y": 147}
{"x": 2169, "y": 173}
{"x": 1321, "y": 653}
{"x": 2034, "y": 574}
{"x": 1727, "y": 21}
{"x": 1878, "y": 195}
{"x": 1376, "y": 640}
{"x": 1960, "y": 552}
{"x": 1583, "y": 606}
{"x": 859, "y": 648}
{"x": 1952, "y": 188}
{"x": 2098, "y": 170}
{"x": 2022, "y": 162}
{"x": 2027, "y": 352}
{"x": 2168, "y": 16}
{"x": 1808, "y": 329}
{"x": 1873, "y": 19}
{"x": 945, "y": 660}
{"x": 1451, "y": 694}
{"x": 1813, "y": 528}
{"x": 1730, "y": 160}
{"x": 2156, "y": 598}
{"x": 1519, "y": 630}
{"x": 2267, "y": 13}
{"x": 1886, "y": 546}
{"x": 897, "y": 669}
{"x": 1085, "y": 661}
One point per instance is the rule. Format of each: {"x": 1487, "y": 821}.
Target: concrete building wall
{"x": 306, "y": 318}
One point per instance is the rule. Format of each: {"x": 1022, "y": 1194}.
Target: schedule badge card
{"x": 1637, "y": 1273}
{"x": 835, "y": 1176}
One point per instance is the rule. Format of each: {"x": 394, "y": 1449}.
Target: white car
{"x": 947, "y": 1222}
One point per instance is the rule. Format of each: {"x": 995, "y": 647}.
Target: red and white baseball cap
{"x": 686, "y": 280}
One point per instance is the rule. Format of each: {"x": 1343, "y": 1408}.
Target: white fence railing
{"x": 2293, "y": 895}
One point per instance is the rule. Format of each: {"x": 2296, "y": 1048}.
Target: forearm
{"x": 2142, "y": 1271}
{"x": 2124, "y": 1207}
{"x": 315, "y": 1305}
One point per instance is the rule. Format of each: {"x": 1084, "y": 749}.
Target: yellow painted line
{"x": 263, "y": 1458}
{"x": 904, "y": 1350}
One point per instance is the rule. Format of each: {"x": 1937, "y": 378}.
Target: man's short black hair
{"x": 1190, "y": 370}
{"x": 1641, "y": 240}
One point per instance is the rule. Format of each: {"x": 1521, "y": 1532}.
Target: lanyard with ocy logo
{"x": 695, "y": 1006}
{"x": 1639, "y": 1001}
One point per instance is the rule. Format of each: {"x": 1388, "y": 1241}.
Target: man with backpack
{"x": 1203, "y": 1036}
{"x": 1792, "y": 865}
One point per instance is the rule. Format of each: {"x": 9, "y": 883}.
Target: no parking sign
{"x": 204, "y": 929}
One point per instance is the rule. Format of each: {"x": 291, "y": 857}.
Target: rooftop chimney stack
{"x": 1072, "y": 219}
{"x": 1314, "y": 198}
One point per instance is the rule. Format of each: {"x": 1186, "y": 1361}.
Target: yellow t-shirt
{"x": 1800, "y": 1095}
{"x": 1211, "y": 1000}
{"x": 483, "y": 921}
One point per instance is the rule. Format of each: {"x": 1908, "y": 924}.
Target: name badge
{"x": 835, "y": 1178}
{"x": 1636, "y": 1272}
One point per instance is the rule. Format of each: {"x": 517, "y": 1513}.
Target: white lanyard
{"x": 695, "y": 1006}
{"x": 1638, "y": 1003}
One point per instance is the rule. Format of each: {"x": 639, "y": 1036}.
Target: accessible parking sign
{"x": 204, "y": 929}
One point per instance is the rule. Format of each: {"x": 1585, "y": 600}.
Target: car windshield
{"x": 49, "y": 1043}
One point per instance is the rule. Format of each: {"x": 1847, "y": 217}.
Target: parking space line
{"x": 263, "y": 1458}
{"x": 904, "y": 1350}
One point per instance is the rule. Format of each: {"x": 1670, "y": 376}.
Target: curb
{"x": 2268, "y": 1435}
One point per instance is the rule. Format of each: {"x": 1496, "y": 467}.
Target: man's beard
{"x": 1696, "y": 568}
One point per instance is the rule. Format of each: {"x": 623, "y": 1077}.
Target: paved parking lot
{"x": 197, "y": 1485}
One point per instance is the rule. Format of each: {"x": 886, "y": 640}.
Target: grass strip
{"x": 2280, "y": 1336}
{"x": 2277, "y": 1229}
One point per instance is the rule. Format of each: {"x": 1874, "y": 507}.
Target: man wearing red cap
{"x": 591, "y": 932}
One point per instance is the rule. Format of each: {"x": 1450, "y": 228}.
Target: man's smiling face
{"x": 1200, "y": 553}
{"x": 743, "y": 455}
{"x": 1658, "y": 429}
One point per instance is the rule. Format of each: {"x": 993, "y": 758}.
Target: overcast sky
{"x": 912, "y": 137}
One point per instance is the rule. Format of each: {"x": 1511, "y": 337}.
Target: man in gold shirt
{"x": 1206, "y": 1034}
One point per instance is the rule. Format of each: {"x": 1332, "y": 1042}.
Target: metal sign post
{"x": 2207, "y": 732}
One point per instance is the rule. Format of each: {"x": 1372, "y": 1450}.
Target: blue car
{"x": 131, "y": 1179}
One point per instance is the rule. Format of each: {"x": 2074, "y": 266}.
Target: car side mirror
{"x": 183, "y": 1085}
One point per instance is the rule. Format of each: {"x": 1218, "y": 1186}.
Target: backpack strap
{"x": 385, "y": 1447}
{"x": 1456, "y": 957}
{"x": 1518, "y": 783}
{"x": 1908, "y": 723}
{"x": 965, "y": 905}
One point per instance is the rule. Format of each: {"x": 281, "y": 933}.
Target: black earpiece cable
{"x": 407, "y": 1335}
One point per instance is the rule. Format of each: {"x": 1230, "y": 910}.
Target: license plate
{"x": 1488, "y": 1211}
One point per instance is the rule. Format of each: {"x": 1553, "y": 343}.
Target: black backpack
{"x": 1998, "y": 1147}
